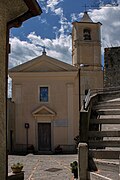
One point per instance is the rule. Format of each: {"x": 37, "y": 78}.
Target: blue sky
{"x": 53, "y": 27}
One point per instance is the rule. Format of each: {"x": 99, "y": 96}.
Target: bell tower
{"x": 86, "y": 54}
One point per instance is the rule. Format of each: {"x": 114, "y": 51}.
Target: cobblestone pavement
{"x": 45, "y": 167}
{"x": 57, "y": 167}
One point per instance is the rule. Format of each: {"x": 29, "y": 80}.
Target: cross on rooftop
{"x": 85, "y": 6}
{"x": 44, "y": 51}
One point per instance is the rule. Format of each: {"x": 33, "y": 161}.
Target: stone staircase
{"x": 104, "y": 128}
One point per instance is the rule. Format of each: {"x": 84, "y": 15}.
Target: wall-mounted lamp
{"x": 27, "y": 125}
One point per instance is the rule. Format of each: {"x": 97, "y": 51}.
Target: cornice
{"x": 43, "y": 74}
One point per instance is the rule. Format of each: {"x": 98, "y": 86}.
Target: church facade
{"x": 48, "y": 93}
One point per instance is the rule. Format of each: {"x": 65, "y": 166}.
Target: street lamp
{"x": 27, "y": 127}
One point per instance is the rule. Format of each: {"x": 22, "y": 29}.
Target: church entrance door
{"x": 44, "y": 136}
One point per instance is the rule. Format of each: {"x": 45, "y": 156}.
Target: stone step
{"x": 102, "y": 144}
{"x": 105, "y": 154}
{"x": 113, "y": 101}
{"x": 107, "y": 106}
{"x": 108, "y": 111}
{"x": 104, "y": 133}
{"x": 110, "y": 96}
{"x": 105, "y": 121}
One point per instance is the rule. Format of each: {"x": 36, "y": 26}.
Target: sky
{"x": 53, "y": 28}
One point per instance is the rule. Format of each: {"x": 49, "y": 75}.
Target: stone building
{"x": 86, "y": 54}
{"x": 112, "y": 67}
{"x": 48, "y": 93}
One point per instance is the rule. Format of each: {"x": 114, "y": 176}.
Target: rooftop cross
{"x": 86, "y": 7}
{"x": 44, "y": 52}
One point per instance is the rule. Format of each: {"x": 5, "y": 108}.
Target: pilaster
{"x": 70, "y": 113}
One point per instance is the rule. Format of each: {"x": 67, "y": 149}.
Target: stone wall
{"x": 112, "y": 67}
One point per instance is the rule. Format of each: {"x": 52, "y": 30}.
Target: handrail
{"x": 98, "y": 91}
{"x": 87, "y": 99}
{"x": 105, "y": 89}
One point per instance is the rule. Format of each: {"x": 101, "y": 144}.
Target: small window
{"x": 43, "y": 94}
{"x": 87, "y": 34}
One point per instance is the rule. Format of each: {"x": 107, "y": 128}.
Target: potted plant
{"x": 58, "y": 150}
{"x": 16, "y": 168}
{"x": 74, "y": 169}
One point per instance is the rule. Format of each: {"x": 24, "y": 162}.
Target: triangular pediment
{"x": 43, "y": 111}
{"x": 43, "y": 63}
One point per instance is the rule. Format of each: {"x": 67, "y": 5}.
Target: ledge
{"x": 16, "y": 176}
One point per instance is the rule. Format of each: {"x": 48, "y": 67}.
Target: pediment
{"x": 43, "y": 111}
{"x": 44, "y": 67}
{"x": 43, "y": 63}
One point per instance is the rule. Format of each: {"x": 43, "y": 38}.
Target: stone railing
{"x": 83, "y": 156}
{"x": 91, "y": 98}
{"x": 94, "y": 92}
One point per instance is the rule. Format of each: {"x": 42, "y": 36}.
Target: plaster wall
{"x": 62, "y": 100}
{"x": 3, "y": 52}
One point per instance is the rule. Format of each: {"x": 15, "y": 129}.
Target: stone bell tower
{"x": 86, "y": 54}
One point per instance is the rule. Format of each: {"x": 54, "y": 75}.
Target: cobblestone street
{"x": 44, "y": 167}
{"x": 57, "y": 167}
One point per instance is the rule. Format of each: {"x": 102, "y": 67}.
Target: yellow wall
{"x": 62, "y": 101}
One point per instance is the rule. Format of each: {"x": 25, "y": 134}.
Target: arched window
{"x": 87, "y": 34}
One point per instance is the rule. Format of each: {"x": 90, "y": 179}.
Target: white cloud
{"x": 110, "y": 19}
{"x": 51, "y": 4}
{"x": 58, "y": 11}
{"x": 54, "y": 7}
{"x": 42, "y": 20}
{"x": 65, "y": 25}
{"x": 74, "y": 17}
{"x": 59, "y": 47}
{"x": 22, "y": 51}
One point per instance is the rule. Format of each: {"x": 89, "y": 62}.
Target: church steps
{"x": 107, "y": 106}
{"x": 108, "y": 111}
{"x": 105, "y": 154}
{"x": 105, "y": 121}
{"x": 108, "y": 102}
{"x": 102, "y": 144}
{"x": 110, "y": 96}
{"x": 104, "y": 133}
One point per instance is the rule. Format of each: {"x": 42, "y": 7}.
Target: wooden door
{"x": 44, "y": 136}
